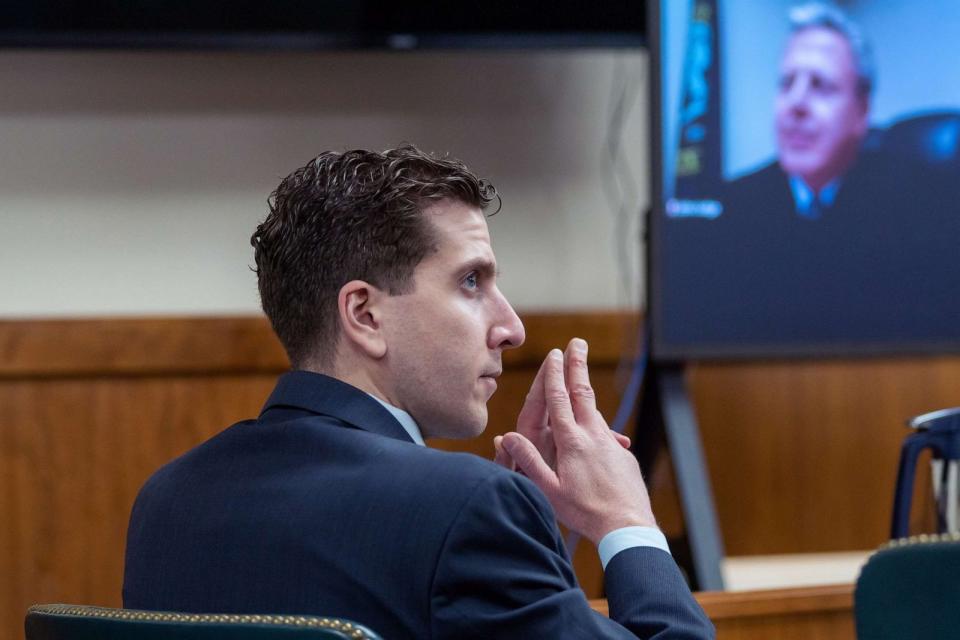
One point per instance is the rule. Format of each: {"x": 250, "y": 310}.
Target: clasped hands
{"x": 566, "y": 448}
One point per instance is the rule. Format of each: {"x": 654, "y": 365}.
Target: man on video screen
{"x": 821, "y": 121}
{"x": 803, "y": 249}
{"x": 847, "y": 235}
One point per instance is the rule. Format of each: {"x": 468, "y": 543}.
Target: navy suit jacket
{"x": 324, "y": 505}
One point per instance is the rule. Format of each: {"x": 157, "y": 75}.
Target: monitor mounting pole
{"x": 666, "y": 417}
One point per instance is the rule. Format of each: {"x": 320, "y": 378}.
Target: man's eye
{"x": 471, "y": 282}
{"x": 823, "y": 85}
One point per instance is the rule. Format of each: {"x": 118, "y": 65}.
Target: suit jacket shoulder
{"x": 759, "y": 197}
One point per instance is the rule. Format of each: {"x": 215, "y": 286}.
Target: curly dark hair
{"x": 348, "y": 216}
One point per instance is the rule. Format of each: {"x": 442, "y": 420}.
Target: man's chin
{"x": 463, "y": 427}
{"x": 800, "y": 165}
{"x": 478, "y": 422}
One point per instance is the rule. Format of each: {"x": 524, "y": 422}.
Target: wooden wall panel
{"x": 807, "y": 613}
{"x": 137, "y": 347}
{"x": 90, "y": 408}
{"x": 74, "y": 453}
{"x": 802, "y": 454}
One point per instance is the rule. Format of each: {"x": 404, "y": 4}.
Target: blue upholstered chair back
{"x": 930, "y": 138}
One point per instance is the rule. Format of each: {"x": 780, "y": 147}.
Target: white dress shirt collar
{"x": 405, "y": 419}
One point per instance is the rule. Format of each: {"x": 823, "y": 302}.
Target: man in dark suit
{"x": 816, "y": 248}
{"x": 770, "y": 268}
{"x": 377, "y": 274}
{"x": 821, "y": 111}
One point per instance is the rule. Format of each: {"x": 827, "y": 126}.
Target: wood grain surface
{"x": 809, "y": 613}
{"x": 802, "y": 454}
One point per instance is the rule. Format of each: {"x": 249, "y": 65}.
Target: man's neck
{"x": 347, "y": 371}
{"x": 361, "y": 380}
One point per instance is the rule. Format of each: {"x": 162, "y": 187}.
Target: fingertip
{"x": 576, "y": 353}
{"x": 514, "y": 443}
{"x": 509, "y": 440}
{"x": 555, "y": 369}
{"x": 580, "y": 345}
{"x": 556, "y": 362}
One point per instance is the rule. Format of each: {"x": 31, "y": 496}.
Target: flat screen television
{"x": 318, "y": 24}
{"x": 806, "y": 191}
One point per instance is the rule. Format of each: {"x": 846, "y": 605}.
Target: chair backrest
{"x": 81, "y": 622}
{"x": 931, "y": 138}
{"x": 910, "y": 590}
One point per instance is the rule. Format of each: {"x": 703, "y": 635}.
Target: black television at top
{"x": 807, "y": 178}
{"x": 319, "y": 24}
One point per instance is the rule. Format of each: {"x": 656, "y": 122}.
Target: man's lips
{"x": 797, "y": 138}
{"x": 491, "y": 378}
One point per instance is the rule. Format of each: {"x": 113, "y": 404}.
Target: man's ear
{"x": 360, "y": 309}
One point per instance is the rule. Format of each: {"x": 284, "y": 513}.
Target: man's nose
{"x": 507, "y": 331}
{"x": 798, "y": 93}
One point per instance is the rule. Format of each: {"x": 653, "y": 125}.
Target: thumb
{"x": 622, "y": 439}
{"x": 530, "y": 462}
{"x": 501, "y": 457}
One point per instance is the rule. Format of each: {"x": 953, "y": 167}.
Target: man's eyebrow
{"x": 484, "y": 266}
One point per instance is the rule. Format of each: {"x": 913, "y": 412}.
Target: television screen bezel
{"x": 371, "y": 24}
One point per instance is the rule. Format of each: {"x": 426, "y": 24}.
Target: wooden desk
{"x": 807, "y": 613}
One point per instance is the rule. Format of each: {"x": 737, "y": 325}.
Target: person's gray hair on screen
{"x": 822, "y": 14}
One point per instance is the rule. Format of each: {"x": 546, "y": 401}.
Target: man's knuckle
{"x": 582, "y": 390}
{"x": 576, "y": 443}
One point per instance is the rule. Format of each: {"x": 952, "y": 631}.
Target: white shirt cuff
{"x": 628, "y": 537}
